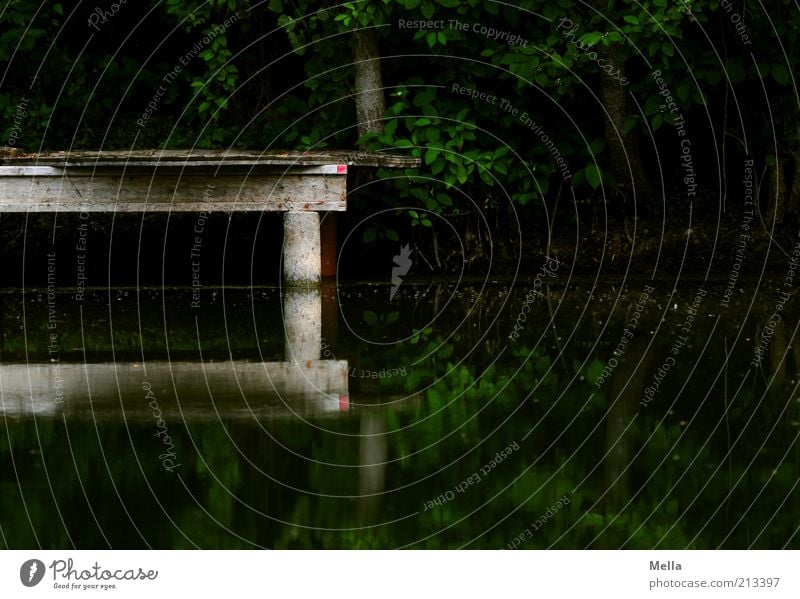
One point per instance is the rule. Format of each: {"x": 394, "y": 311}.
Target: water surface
{"x": 458, "y": 414}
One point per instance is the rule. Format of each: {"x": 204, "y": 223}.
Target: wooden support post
{"x": 301, "y": 249}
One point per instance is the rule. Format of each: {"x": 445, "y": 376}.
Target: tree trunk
{"x": 370, "y": 104}
{"x": 794, "y": 197}
{"x": 777, "y": 190}
{"x": 623, "y": 150}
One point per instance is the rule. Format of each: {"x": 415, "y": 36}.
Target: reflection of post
{"x": 627, "y": 385}
{"x": 330, "y": 313}
{"x": 302, "y": 323}
{"x": 301, "y": 249}
{"x": 372, "y": 465}
{"x": 777, "y": 354}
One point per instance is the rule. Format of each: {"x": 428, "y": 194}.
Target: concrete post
{"x": 301, "y": 249}
{"x": 302, "y": 323}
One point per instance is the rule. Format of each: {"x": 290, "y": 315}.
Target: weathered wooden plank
{"x": 172, "y": 192}
{"x": 211, "y": 158}
{"x": 243, "y": 169}
{"x": 189, "y": 390}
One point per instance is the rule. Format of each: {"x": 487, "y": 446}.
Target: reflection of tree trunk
{"x": 777, "y": 354}
{"x": 627, "y": 385}
{"x": 370, "y": 104}
{"x": 372, "y": 469}
{"x": 794, "y": 197}
{"x": 623, "y": 150}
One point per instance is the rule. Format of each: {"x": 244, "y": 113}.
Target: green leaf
{"x": 390, "y": 127}
{"x": 369, "y": 235}
{"x": 597, "y": 146}
{"x": 370, "y": 317}
{"x": 781, "y": 74}
{"x": 461, "y": 174}
{"x": 591, "y": 38}
{"x": 631, "y": 19}
{"x": 392, "y": 317}
{"x": 657, "y": 121}
{"x": 593, "y": 175}
{"x": 431, "y": 154}
{"x": 392, "y": 235}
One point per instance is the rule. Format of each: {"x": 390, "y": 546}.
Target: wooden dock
{"x": 300, "y": 184}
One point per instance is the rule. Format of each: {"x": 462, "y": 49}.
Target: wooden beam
{"x": 209, "y": 158}
{"x": 59, "y": 190}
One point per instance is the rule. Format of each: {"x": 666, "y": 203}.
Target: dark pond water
{"x": 454, "y": 415}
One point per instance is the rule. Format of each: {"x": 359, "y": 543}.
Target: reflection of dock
{"x": 189, "y": 390}
{"x": 301, "y": 384}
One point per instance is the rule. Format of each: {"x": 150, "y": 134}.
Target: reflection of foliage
{"x": 698, "y": 476}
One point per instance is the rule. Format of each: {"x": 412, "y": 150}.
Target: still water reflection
{"x": 452, "y": 415}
